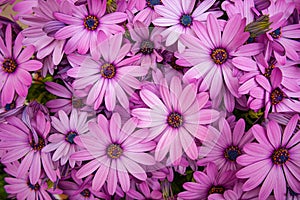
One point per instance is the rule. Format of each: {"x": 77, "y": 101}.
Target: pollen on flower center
{"x": 175, "y": 120}
{"x": 86, "y": 193}
{"x": 280, "y": 156}
{"x": 216, "y": 190}
{"x": 114, "y": 151}
{"x": 147, "y": 47}
{"x": 70, "y": 137}
{"x": 108, "y": 71}
{"x": 186, "y": 20}
{"x": 152, "y": 3}
{"x": 219, "y": 56}
{"x": 269, "y": 71}
{"x": 9, "y": 65}
{"x": 232, "y": 152}
{"x": 277, "y": 96}
{"x": 91, "y": 22}
{"x": 34, "y": 187}
{"x": 276, "y": 34}
{"x": 39, "y": 146}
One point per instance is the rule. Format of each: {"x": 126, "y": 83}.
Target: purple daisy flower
{"x": 209, "y": 182}
{"x": 147, "y": 14}
{"x": 111, "y": 77}
{"x": 273, "y": 160}
{"x": 228, "y": 147}
{"x": 21, "y": 143}
{"x": 180, "y": 17}
{"x": 215, "y": 55}
{"x": 15, "y": 62}
{"x": 177, "y": 119}
{"x": 114, "y": 152}
{"x": 85, "y": 26}
{"x": 62, "y": 142}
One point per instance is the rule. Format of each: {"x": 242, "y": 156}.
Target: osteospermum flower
{"x": 177, "y": 118}
{"x": 209, "y": 182}
{"x": 84, "y": 26}
{"x": 212, "y": 55}
{"x": 180, "y": 17}
{"x": 228, "y": 147}
{"x": 114, "y": 152}
{"x": 147, "y": 14}
{"x": 111, "y": 77}
{"x": 67, "y": 129}
{"x": 273, "y": 160}
{"x": 15, "y": 65}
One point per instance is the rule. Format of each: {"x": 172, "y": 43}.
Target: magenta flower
{"x": 62, "y": 142}
{"x": 111, "y": 77}
{"x": 273, "y": 160}
{"x": 209, "y": 182}
{"x": 85, "y": 26}
{"x": 228, "y": 147}
{"x": 15, "y": 65}
{"x": 176, "y": 119}
{"x": 215, "y": 56}
{"x": 180, "y": 17}
{"x": 20, "y": 143}
{"x": 114, "y": 152}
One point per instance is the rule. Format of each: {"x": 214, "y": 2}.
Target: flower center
{"x": 10, "y": 106}
{"x": 250, "y": 40}
{"x": 114, "y": 151}
{"x": 91, "y": 22}
{"x": 152, "y": 3}
{"x": 277, "y": 96}
{"x": 34, "y": 187}
{"x": 108, "y": 71}
{"x": 219, "y": 56}
{"x": 186, "y": 20}
{"x": 276, "y": 34}
{"x": 216, "y": 189}
{"x": 39, "y": 145}
{"x": 280, "y": 156}
{"x": 9, "y": 65}
{"x": 147, "y": 47}
{"x": 175, "y": 120}
{"x": 77, "y": 103}
{"x": 70, "y": 137}
{"x": 86, "y": 193}
{"x": 269, "y": 71}
{"x": 232, "y": 152}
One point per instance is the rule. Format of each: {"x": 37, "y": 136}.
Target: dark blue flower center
{"x": 216, "y": 190}
{"x": 108, "y": 71}
{"x": 114, "y": 151}
{"x": 34, "y": 187}
{"x": 175, "y": 120}
{"x": 277, "y": 96}
{"x": 232, "y": 152}
{"x": 250, "y": 40}
{"x": 276, "y": 34}
{"x": 86, "y": 193}
{"x": 10, "y": 106}
{"x": 9, "y": 65}
{"x": 147, "y": 47}
{"x": 280, "y": 156}
{"x": 186, "y": 20}
{"x": 152, "y": 3}
{"x": 219, "y": 55}
{"x": 70, "y": 137}
{"x": 38, "y": 146}
{"x": 269, "y": 70}
{"x": 91, "y": 22}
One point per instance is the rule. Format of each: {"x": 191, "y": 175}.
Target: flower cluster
{"x": 150, "y": 99}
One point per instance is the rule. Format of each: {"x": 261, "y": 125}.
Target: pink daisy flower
{"x": 273, "y": 160}
{"x": 85, "y": 26}
{"x": 215, "y": 55}
{"x": 111, "y": 77}
{"x": 177, "y": 118}
{"x": 207, "y": 183}
{"x": 62, "y": 142}
{"x": 15, "y": 65}
{"x": 147, "y": 14}
{"x": 228, "y": 147}
{"x": 180, "y": 17}
{"x": 19, "y": 142}
{"x": 114, "y": 151}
